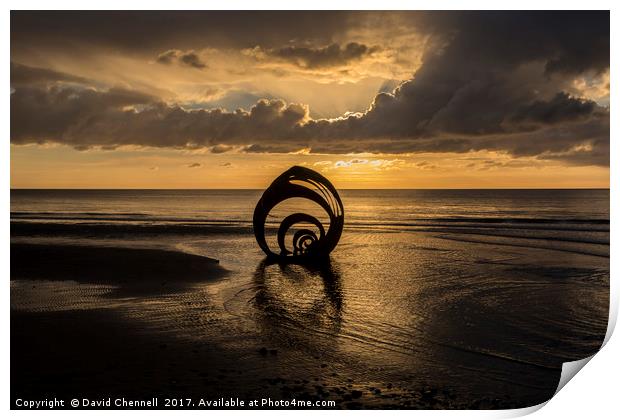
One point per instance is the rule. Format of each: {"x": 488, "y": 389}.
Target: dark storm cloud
{"x": 332, "y": 55}
{"x": 85, "y": 118}
{"x": 40, "y": 114}
{"x": 568, "y": 42}
{"x": 561, "y": 108}
{"x": 187, "y": 58}
{"x": 499, "y": 83}
{"x": 156, "y": 31}
{"x": 481, "y": 77}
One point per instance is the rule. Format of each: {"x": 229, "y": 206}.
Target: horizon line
{"x": 341, "y": 189}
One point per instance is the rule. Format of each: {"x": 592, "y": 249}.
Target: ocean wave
{"x": 433, "y": 218}
{"x": 598, "y": 224}
{"x": 590, "y": 231}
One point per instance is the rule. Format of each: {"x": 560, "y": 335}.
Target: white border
{"x": 592, "y": 394}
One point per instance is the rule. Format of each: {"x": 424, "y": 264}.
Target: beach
{"x": 430, "y": 300}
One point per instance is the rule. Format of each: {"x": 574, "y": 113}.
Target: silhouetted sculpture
{"x": 304, "y": 183}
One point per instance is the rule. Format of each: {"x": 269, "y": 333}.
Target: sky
{"x": 215, "y": 99}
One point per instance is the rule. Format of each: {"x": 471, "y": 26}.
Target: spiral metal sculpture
{"x": 303, "y": 183}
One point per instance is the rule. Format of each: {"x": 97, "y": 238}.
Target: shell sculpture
{"x": 308, "y": 244}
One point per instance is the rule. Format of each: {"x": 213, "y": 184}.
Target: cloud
{"x": 168, "y": 57}
{"x": 60, "y": 113}
{"x": 425, "y": 165}
{"x": 85, "y": 118}
{"x": 567, "y": 42}
{"x": 27, "y": 75}
{"x": 187, "y": 58}
{"x": 221, "y": 148}
{"x": 322, "y": 163}
{"x": 561, "y": 108}
{"x": 374, "y": 164}
{"x": 194, "y": 165}
{"x": 490, "y": 86}
{"x": 347, "y": 163}
{"x": 305, "y": 57}
{"x": 233, "y": 99}
{"x": 125, "y": 30}
{"x": 387, "y": 164}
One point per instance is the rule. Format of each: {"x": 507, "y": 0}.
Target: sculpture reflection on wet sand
{"x": 277, "y": 284}
{"x": 300, "y": 182}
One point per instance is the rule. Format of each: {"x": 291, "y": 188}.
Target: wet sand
{"x": 96, "y": 356}
{"x": 408, "y": 320}
{"x": 133, "y": 271}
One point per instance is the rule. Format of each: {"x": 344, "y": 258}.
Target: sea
{"x": 571, "y": 215}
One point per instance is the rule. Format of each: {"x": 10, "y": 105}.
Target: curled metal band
{"x": 300, "y": 182}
